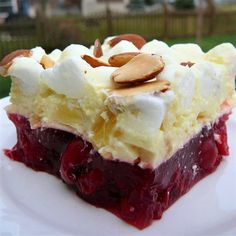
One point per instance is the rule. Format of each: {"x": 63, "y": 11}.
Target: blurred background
{"x": 57, "y": 23}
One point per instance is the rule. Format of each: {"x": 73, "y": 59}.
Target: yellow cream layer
{"x": 151, "y": 125}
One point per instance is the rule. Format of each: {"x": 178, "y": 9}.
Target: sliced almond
{"x": 152, "y": 86}
{"x": 18, "y": 53}
{"x": 94, "y": 62}
{"x": 137, "y": 40}
{"x": 141, "y": 68}
{"x": 121, "y": 59}
{"x": 7, "y": 60}
{"x": 97, "y": 51}
{"x": 188, "y": 63}
{"x": 47, "y": 62}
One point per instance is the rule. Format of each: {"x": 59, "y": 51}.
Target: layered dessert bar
{"x": 130, "y": 125}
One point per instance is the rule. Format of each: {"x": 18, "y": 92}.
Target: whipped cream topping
{"x": 192, "y": 52}
{"x": 55, "y": 55}
{"x": 126, "y": 127}
{"x": 37, "y": 53}
{"x": 100, "y": 77}
{"x": 223, "y": 54}
{"x": 27, "y": 71}
{"x": 67, "y": 77}
{"x": 74, "y": 50}
{"x": 143, "y": 107}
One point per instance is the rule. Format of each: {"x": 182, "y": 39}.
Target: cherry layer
{"x": 136, "y": 195}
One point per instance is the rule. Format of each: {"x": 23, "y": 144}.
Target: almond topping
{"x": 189, "y": 64}
{"x": 94, "y": 62}
{"x": 137, "y": 40}
{"x": 47, "y": 62}
{"x": 7, "y": 60}
{"x": 97, "y": 51}
{"x": 152, "y": 86}
{"x": 121, "y": 59}
{"x": 141, "y": 68}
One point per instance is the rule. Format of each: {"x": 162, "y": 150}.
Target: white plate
{"x": 35, "y": 203}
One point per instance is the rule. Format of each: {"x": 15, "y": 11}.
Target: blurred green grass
{"x": 207, "y": 43}
{"x": 4, "y": 87}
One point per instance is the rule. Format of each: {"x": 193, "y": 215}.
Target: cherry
{"x": 74, "y": 156}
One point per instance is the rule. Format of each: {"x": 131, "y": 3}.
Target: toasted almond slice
{"x": 94, "y": 62}
{"x": 18, "y": 53}
{"x": 7, "y": 60}
{"x": 188, "y": 63}
{"x": 141, "y": 68}
{"x": 152, "y": 86}
{"x": 47, "y": 62}
{"x": 121, "y": 59}
{"x": 97, "y": 51}
{"x": 137, "y": 40}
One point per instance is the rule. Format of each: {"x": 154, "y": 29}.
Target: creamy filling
{"x": 151, "y": 125}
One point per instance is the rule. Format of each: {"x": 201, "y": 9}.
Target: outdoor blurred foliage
{"x": 184, "y": 4}
{"x": 169, "y": 19}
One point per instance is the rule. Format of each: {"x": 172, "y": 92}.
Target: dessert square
{"x": 130, "y": 125}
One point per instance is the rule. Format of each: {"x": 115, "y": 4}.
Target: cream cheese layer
{"x": 125, "y": 124}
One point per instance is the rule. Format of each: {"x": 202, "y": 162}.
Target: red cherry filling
{"x": 221, "y": 135}
{"x": 39, "y": 148}
{"x": 136, "y": 195}
{"x": 75, "y": 156}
